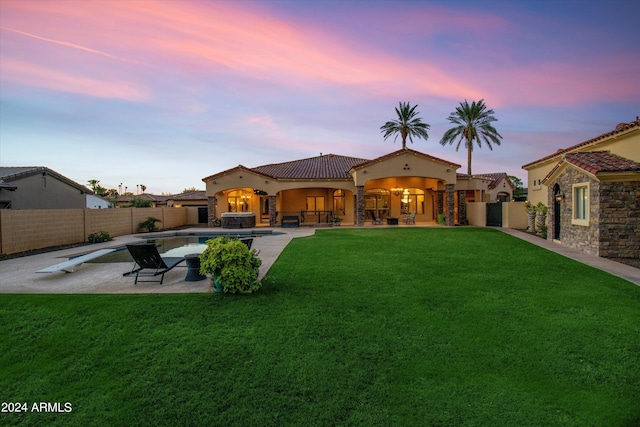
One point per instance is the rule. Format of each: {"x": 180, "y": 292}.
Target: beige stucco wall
{"x": 405, "y": 165}
{"x": 24, "y": 230}
{"x": 43, "y": 192}
{"x": 477, "y": 214}
{"x": 514, "y": 215}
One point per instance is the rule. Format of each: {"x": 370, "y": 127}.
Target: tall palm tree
{"x": 473, "y": 124}
{"x": 406, "y": 125}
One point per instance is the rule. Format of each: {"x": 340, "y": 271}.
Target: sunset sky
{"x": 165, "y": 93}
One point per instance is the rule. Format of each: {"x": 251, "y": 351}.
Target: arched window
{"x": 412, "y": 200}
{"x": 239, "y": 201}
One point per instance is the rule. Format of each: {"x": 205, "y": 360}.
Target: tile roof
{"x": 601, "y": 161}
{"x": 595, "y": 162}
{"x": 495, "y": 178}
{"x": 328, "y": 166}
{"x": 621, "y": 127}
{"x": 190, "y": 195}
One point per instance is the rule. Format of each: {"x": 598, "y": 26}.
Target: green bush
{"x": 233, "y": 263}
{"x": 149, "y": 224}
{"x": 99, "y": 237}
{"x": 442, "y": 219}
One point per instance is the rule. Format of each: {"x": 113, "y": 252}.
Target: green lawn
{"x": 407, "y": 326}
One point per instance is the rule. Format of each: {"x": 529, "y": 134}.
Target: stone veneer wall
{"x": 620, "y": 219}
{"x": 211, "y": 210}
{"x": 584, "y": 238}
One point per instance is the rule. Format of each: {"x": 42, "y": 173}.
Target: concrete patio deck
{"x": 19, "y": 275}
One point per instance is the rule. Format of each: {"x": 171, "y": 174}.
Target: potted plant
{"x": 336, "y": 220}
{"x": 232, "y": 266}
{"x": 531, "y": 216}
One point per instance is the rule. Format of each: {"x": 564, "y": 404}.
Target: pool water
{"x": 172, "y": 246}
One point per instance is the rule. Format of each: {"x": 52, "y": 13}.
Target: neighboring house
{"x": 95, "y": 202}
{"x": 196, "y": 199}
{"x": 156, "y": 201}
{"x": 358, "y": 190}
{"x": 500, "y": 187}
{"x": 190, "y": 198}
{"x": 38, "y": 187}
{"x": 592, "y": 190}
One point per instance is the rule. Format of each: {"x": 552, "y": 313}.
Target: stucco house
{"x": 38, "y": 187}
{"x": 592, "y": 190}
{"x": 360, "y": 191}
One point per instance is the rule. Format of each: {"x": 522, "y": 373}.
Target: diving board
{"x": 67, "y": 266}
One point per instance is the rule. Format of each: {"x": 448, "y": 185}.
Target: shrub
{"x": 99, "y": 237}
{"x": 138, "y": 203}
{"x": 442, "y": 219}
{"x": 149, "y": 224}
{"x": 235, "y": 266}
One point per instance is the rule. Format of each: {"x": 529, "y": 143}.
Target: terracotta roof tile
{"x": 601, "y": 161}
{"x": 329, "y": 166}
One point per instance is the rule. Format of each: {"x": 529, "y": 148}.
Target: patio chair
{"x": 411, "y": 219}
{"x": 247, "y": 242}
{"x": 375, "y": 220}
{"x": 147, "y": 257}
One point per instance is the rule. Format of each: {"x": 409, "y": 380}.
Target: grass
{"x": 368, "y": 327}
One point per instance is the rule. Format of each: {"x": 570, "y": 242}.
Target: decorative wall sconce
{"x": 559, "y": 197}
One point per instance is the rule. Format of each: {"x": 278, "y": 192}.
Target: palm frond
{"x": 407, "y": 124}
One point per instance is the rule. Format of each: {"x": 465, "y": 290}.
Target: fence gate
{"x": 494, "y": 214}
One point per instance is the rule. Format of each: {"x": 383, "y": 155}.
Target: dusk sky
{"x": 165, "y": 93}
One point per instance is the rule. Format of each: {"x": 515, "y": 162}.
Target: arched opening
{"x": 557, "y": 202}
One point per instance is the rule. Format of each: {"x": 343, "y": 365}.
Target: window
{"x": 580, "y": 204}
{"x": 315, "y": 203}
{"x": 412, "y": 201}
{"x": 239, "y": 201}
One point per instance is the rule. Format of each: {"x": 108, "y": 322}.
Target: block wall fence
{"x": 25, "y": 230}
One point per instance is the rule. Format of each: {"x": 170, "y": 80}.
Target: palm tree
{"x": 473, "y": 124}
{"x": 406, "y": 125}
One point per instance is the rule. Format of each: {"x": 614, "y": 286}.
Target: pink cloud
{"x": 204, "y": 37}
{"x": 33, "y": 75}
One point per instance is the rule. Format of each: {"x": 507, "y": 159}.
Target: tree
{"x": 189, "y": 190}
{"x": 473, "y": 124}
{"x": 407, "y": 125}
{"x": 93, "y": 183}
{"x": 518, "y": 192}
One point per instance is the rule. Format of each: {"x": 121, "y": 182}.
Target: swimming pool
{"x": 178, "y": 244}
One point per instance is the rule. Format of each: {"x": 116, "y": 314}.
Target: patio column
{"x": 439, "y": 202}
{"x": 211, "y": 210}
{"x": 359, "y": 205}
{"x": 272, "y": 211}
{"x": 462, "y": 207}
{"x": 450, "y": 205}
